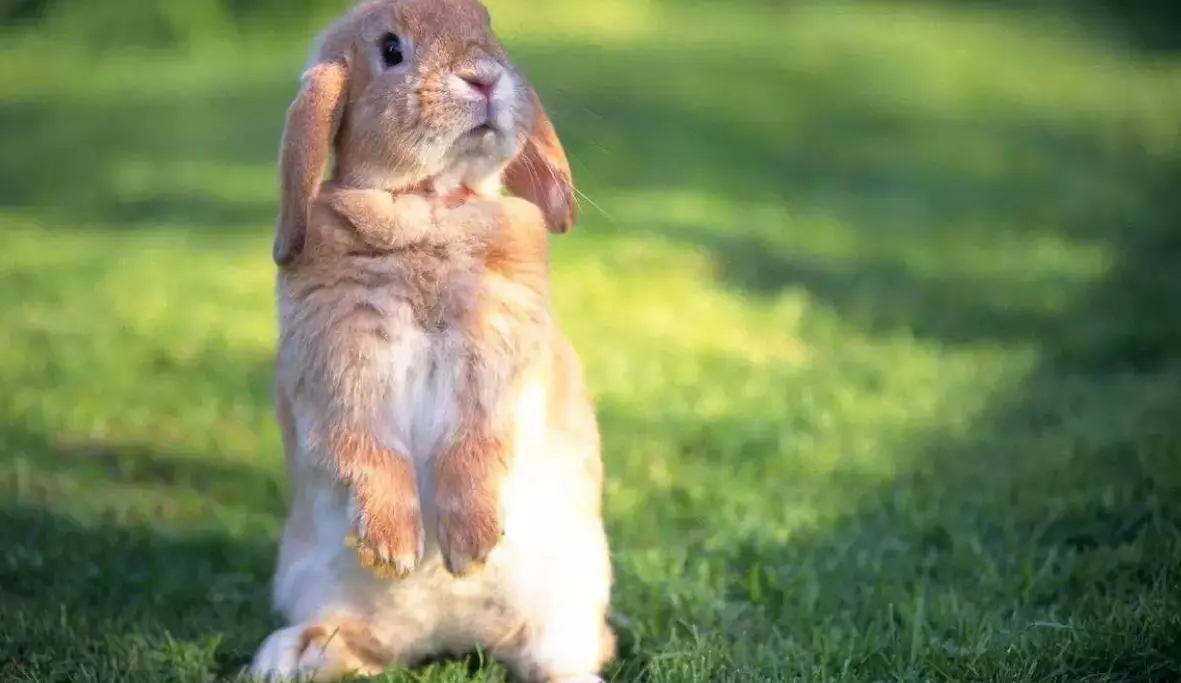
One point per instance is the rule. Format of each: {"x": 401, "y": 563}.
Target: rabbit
{"x": 441, "y": 445}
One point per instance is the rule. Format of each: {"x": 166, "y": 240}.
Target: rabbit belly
{"x": 542, "y": 596}
{"x": 545, "y": 588}
{"x": 419, "y": 410}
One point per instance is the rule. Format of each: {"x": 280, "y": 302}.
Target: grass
{"x": 878, "y": 302}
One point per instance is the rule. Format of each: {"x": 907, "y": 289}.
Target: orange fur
{"x": 305, "y": 151}
{"x": 389, "y": 538}
{"x": 541, "y": 173}
{"x": 469, "y": 474}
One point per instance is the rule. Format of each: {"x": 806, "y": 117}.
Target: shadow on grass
{"x": 149, "y": 466}
{"x": 126, "y": 602}
{"x": 201, "y": 159}
{"x": 1149, "y": 25}
{"x": 122, "y": 592}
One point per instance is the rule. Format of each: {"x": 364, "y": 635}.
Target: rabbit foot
{"x": 309, "y": 654}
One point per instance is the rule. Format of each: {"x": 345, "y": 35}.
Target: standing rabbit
{"x": 441, "y": 446}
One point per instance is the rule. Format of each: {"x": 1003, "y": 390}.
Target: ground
{"x": 874, "y": 299}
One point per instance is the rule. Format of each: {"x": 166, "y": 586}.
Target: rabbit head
{"x": 404, "y": 93}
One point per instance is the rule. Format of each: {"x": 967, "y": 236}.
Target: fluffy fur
{"x": 442, "y": 451}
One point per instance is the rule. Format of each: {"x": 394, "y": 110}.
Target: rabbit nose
{"x": 482, "y": 82}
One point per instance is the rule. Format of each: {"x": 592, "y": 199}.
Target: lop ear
{"x": 541, "y": 174}
{"x": 313, "y": 120}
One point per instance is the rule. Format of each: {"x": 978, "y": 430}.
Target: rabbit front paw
{"x": 469, "y": 528}
{"x": 479, "y": 219}
{"x": 387, "y": 532}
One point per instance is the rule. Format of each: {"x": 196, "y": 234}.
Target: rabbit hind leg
{"x": 564, "y": 636}
{"x": 318, "y": 653}
{"x": 562, "y": 652}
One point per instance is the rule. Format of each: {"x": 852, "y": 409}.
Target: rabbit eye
{"x": 391, "y": 50}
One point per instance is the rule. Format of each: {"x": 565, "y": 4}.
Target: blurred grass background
{"x": 879, "y": 302}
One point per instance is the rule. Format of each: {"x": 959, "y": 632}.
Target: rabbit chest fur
{"x": 399, "y": 317}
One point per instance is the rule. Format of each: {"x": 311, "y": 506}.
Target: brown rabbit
{"x": 442, "y": 450}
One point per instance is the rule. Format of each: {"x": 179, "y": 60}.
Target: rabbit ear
{"x": 312, "y": 123}
{"x": 541, "y": 174}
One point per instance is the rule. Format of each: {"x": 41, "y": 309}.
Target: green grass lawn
{"x": 875, "y": 301}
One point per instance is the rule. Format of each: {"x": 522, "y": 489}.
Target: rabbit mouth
{"x": 484, "y": 133}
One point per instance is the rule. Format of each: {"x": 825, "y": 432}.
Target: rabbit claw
{"x": 391, "y": 547}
